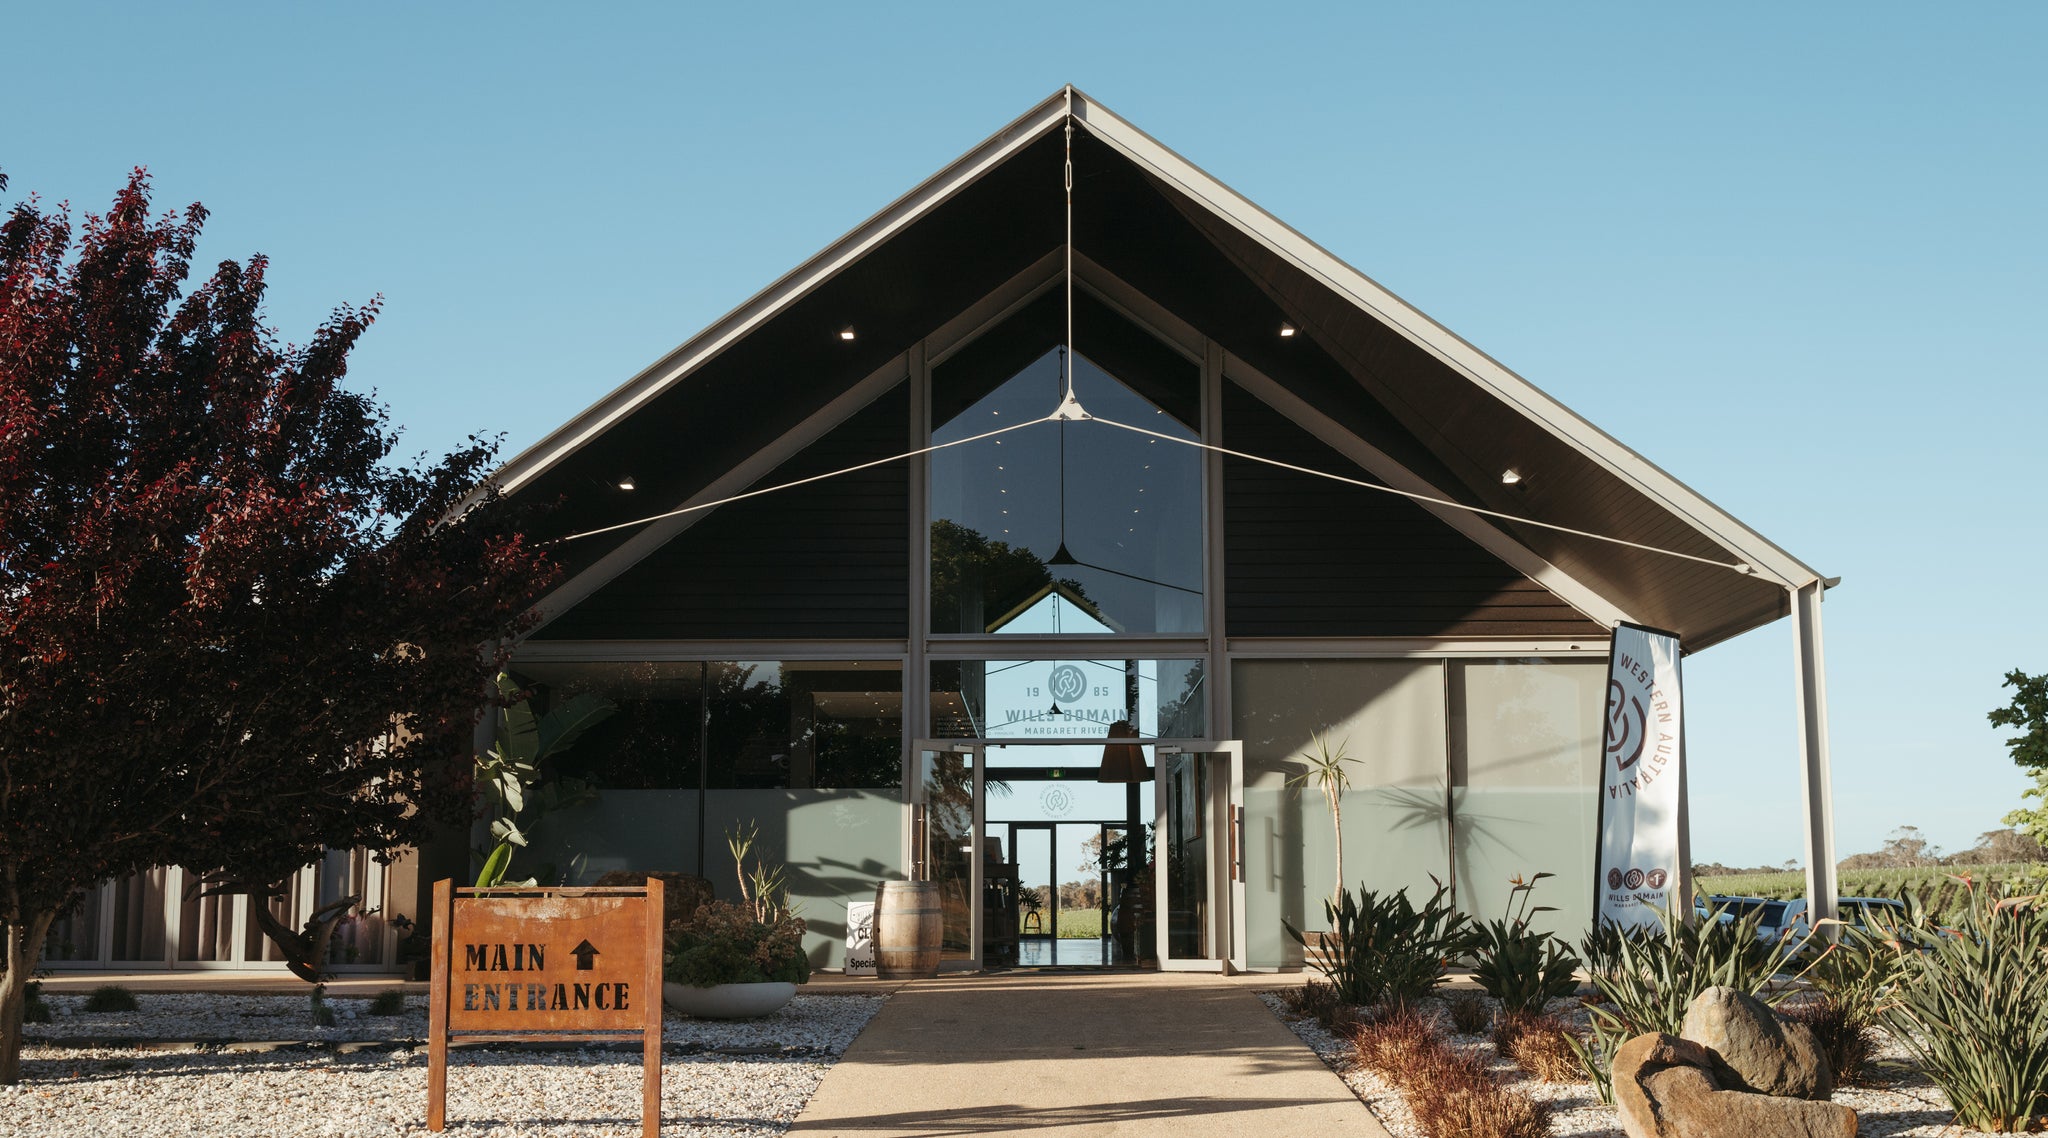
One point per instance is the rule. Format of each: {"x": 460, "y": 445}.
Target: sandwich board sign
{"x": 860, "y": 938}
{"x": 546, "y": 965}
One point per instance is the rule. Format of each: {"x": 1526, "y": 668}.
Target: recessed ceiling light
{"x": 846, "y": 333}
{"x": 626, "y": 483}
{"x": 1510, "y": 477}
{"x": 1287, "y": 329}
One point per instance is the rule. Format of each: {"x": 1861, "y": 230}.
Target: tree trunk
{"x": 24, "y": 952}
{"x": 1337, "y": 825}
{"x": 304, "y": 953}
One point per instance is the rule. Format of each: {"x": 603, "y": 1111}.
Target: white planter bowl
{"x": 727, "y": 1001}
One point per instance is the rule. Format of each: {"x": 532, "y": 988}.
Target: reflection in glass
{"x": 650, "y": 742}
{"x": 944, "y": 807}
{"x": 1068, "y": 528}
{"x": 1186, "y": 786}
{"x": 1067, "y": 699}
{"x": 765, "y": 724}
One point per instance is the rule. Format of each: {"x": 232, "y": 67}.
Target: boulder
{"x": 1664, "y": 1087}
{"x": 1755, "y": 1049}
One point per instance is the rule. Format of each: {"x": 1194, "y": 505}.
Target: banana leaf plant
{"x": 516, "y": 776}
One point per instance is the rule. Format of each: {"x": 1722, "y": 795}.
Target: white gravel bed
{"x": 70, "y": 1090}
{"x": 1906, "y": 1106}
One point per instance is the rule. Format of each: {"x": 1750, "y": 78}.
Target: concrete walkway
{"x": 1123, "y": 1054}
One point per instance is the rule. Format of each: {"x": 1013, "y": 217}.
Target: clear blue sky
{"x": 1793, "y": 253}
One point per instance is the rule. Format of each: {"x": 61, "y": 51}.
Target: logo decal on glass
{"x": 1057, "y": 801}
{"x": 1067, "y": 683}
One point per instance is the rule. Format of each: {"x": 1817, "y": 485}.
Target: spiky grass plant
{"x": 1972, "y": 1006}
{"x": 1381, "y": 947}
{"x": 1648, "y": 977}
{"x": 389, "y": 1002}
{"x": 1522, "y": 968}
{"x": 1469, "y": 1013}
{"x": 1540, "y": 1045}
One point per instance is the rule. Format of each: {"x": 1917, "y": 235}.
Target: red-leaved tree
{"x": 233, "y": 631}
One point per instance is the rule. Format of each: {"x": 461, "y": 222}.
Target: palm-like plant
{"x": 1326, "y": 773}
{"x": 514, "y": 773}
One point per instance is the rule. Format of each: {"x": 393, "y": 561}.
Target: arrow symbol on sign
{"x": 583, "y": 952}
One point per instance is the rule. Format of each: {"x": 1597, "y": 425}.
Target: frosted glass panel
{"x": 644, "y": 830}
{"x": 1525, "y": 758}
{"x": 836, "y": 844}
{"x": 1388, "y": 715}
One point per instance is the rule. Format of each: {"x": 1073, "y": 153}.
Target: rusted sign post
{"x": 517, "y": 965}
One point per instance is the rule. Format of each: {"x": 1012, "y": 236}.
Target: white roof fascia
{"x": 892, "y": 219}
{"x": 1482, "y": 369}
{"x": 1590, "y": 602}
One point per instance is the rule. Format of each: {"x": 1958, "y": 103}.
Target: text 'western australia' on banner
{"x": 1638, "y": 869}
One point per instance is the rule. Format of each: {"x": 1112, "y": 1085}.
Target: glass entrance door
{"x": 1198, "y": 797}
{"x": 945, "y": 819}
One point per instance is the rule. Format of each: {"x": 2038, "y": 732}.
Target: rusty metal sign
{"x": 546, "y": 965}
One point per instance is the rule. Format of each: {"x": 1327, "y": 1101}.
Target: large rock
{"x": 1664, "y": 1087}
{"x": 1756, "y": 1050}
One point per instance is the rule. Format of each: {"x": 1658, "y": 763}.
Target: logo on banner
{"x": 1641, "y": 726}
{"x": 1640, "y": 808}
{"x": 1625, "y": 726}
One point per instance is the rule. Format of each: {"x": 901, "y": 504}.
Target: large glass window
{"x": 1066, "y": 527}
{"x": 805, "y": 724}
{"x": 650, "y": 742}
{"x": 1388, "y": 716}
{"x": 761, "y": 724}
{"x": 1525, "y": 758}
{"x": 1068, "y": 699}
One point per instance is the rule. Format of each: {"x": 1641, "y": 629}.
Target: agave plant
{"x": 1381, "y": 947}
{"x": 1522, "y": 968}
{"x": 1648, "y": 977}
{"x": 1972, "y": 1006}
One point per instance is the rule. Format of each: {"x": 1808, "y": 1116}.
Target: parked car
{"x": 1778, "y": 917}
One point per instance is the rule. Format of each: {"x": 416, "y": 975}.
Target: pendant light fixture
{"x": 1122, "y": 762}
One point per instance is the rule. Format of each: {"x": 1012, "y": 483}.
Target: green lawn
{"x": 1934, "y": 884}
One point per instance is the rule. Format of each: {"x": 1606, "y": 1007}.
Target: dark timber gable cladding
{"x": 1305, "y": 556}
{"x": 825, "y": 561}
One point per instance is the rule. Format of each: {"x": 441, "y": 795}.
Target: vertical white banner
{"x": 860, "y": 938}
{"x": 1637, "y": 870}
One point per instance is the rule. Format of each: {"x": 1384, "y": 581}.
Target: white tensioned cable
{"x": 1069, "y": 361}
{"x": 675, "y": 513}
{"x": 1742, "y": 567}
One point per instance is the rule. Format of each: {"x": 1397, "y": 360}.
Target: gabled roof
{"x": 1219, "y": 263}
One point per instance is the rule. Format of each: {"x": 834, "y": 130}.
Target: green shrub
{"x": 1972, "y": 1006}
{"x": 389, "y": 1002}
{"x": 1648, "y": 977}
{"x": 1518, "y": 966}
{"x": 1382, "y": 947}
{"x": 35, "y": 1010}
{"x": 726, "y": 942}
{"x": 110, "y": 998}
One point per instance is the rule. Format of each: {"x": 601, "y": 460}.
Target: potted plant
{"x": 737, "y": 959}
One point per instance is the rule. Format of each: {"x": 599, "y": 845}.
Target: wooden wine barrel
{"x": 907, "y": 926}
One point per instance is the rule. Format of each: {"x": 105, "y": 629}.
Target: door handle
{"x": 1237, "y": 843}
